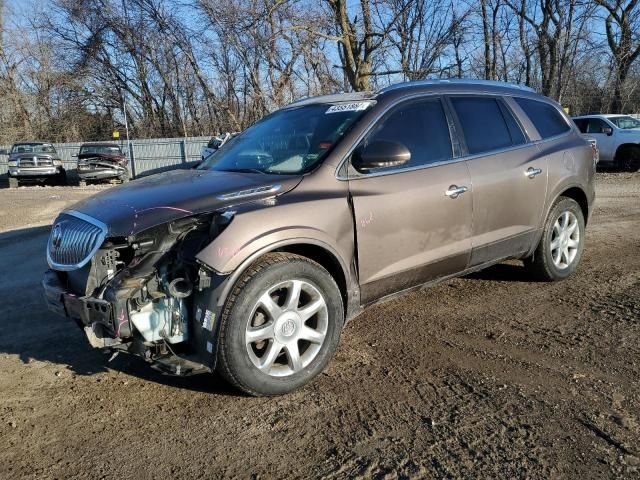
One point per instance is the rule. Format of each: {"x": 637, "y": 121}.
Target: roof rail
{"x": 456, "y": 81}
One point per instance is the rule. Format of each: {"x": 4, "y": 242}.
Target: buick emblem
{"x": 288, "y": 328}
{"x": 56, "y": 236}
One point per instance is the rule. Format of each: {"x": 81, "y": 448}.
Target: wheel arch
{"x": 312, "y": 249}
{"x": 577, "y": 194}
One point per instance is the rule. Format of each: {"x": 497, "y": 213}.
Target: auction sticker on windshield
{"x": 348, "y": 107}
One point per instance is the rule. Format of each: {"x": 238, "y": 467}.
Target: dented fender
{"x": 309, "y": 215}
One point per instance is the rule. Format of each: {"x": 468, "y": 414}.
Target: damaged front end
{"x": 102, "y": 167}
{"x": 144, "y": 293}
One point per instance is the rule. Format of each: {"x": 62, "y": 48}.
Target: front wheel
{"x": 61, "y": 178}
{"x": 560, "y": 249}
{"x": 280, "y": 326}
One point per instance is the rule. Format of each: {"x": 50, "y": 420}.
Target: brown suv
{"x": 252, "y": 263}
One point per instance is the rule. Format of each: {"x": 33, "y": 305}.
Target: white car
{"x": 618, "y": 138}
{"x": 215, "y": 143}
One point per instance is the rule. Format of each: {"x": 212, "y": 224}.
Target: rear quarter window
{"x": 546, "y": 118}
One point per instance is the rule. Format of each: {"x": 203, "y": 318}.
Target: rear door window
{"x": 421, "y": 126}
{"x": 485, "y": 125}
{"x": 545, "y": 117}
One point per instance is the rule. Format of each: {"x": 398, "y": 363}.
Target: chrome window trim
{"x": 345, "y": 159}
{"x": 99, "y": 242}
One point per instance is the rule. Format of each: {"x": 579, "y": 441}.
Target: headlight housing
{"x": 57, "y": 163}
{"x": 13, "y": 163}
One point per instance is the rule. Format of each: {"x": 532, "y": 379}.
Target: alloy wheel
{"x": 286, "y": 328}
{"x": 565, "y": 239}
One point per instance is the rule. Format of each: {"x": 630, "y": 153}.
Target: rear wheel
{"x": 280, "y": 325}
{"x": 560, "y": 249}
{"x": 628, "y": 159}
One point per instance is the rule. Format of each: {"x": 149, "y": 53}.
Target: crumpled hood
{"x": 135, "y": 206}
{"x": 101, "y": 156}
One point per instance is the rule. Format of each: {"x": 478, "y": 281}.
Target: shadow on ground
{"x": 503, "y": 272}
{"x": 28, "y": 329}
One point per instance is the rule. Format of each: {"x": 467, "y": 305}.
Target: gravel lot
{"x": 489, "y": 376}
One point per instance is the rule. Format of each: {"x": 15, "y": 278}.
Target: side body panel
{"x": 408, "y": 230}
{"x": 316, "y": 212}
{"x": 507, "y": 204}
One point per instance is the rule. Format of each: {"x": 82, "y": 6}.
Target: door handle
{"x": 454, "y": 191}
{"x": 532, "y": 172}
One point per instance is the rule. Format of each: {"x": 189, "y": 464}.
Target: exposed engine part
{"x": 161, "y": 319}
{"x": 180, "y": 288}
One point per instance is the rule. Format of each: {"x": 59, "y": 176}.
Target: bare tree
{"x": 623, "y": 37}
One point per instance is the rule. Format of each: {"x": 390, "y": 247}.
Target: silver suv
{"x": 252, "y": 263}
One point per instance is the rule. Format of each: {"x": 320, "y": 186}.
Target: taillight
{"x": 595, "y": 150}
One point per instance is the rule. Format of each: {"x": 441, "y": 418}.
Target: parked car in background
{"x": 253, "y": 263}
{"x": 102, "y": 161}
{"x": 618, "y": 138}
{"x": 215, "y": 143}
{"x": 35, "y": 162}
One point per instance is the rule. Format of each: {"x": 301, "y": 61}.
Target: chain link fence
{"x": 146, "y": 156}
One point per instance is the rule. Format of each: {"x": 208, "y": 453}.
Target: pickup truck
{"x": 617, "y": 136}
{"x": 37, "y": 161}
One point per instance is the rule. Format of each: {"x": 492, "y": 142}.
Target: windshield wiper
{"x": 243, "y": 170}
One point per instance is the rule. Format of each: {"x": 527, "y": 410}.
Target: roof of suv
{"x": 448, "y": 85}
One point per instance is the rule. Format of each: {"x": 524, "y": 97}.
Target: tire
{"x": 553, "y": 264}
{"x": 13, "y": 182}
{"x": 61, "y": 178}
{"x": 628, "y": 159}
{"x": 275, "y": 276}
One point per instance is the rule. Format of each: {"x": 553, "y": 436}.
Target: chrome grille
{"x": 35, "y": 162}
{"x": 74, "y": 239}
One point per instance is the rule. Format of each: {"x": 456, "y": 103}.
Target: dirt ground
{"x": 488, "y": 376}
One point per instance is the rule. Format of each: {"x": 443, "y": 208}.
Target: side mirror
{"x": 380, "y": 154}
{"x": 607, "y": 131}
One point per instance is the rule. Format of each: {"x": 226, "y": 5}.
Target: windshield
{"x": 289, "y": 141}
{"x": 625, "y": 122}
{"x": 110, "y": 150}
{"x": 33, "y": 148}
